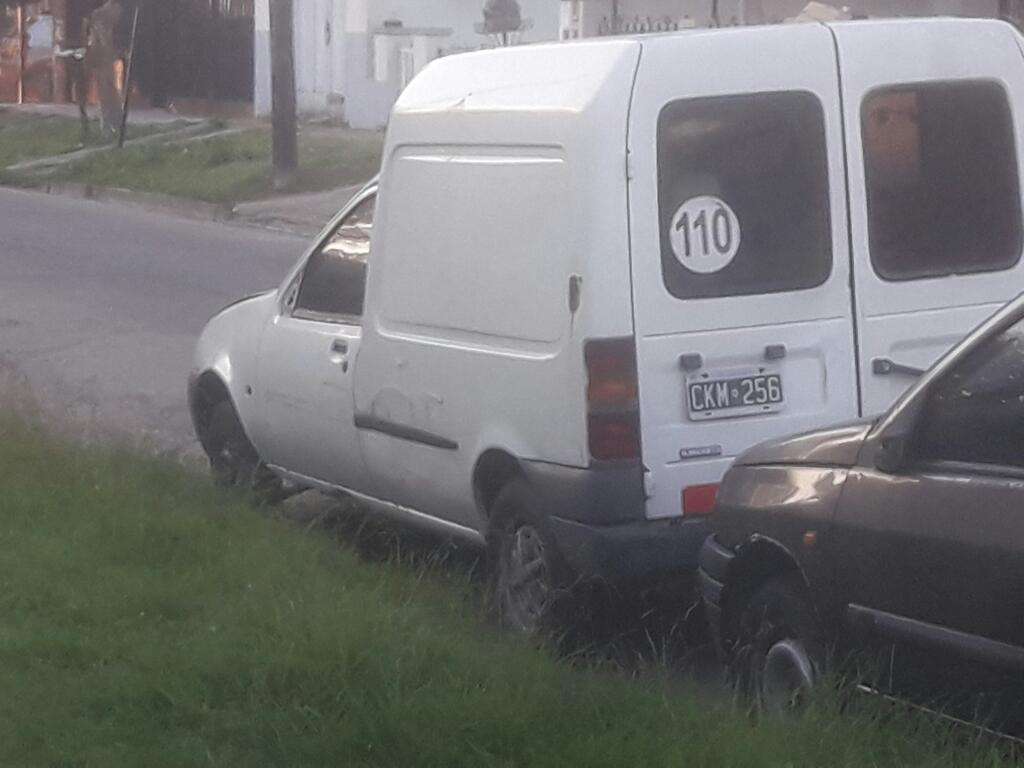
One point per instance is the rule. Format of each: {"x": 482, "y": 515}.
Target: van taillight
{"x": 613, "y": 416}
{"x": 699, "y": 499}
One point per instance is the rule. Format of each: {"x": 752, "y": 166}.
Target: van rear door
{"x": 739, "y": 248}
{"x": 933, "y": 133}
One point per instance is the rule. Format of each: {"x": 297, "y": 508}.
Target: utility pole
{"x": 129, "y": 69}
{"x": 282, "y": 64}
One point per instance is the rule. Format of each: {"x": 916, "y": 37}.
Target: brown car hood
{"x": 836, "y": 446}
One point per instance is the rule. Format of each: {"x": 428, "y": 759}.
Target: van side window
{"x": 334, "y": 281}
{"x": 943, "y": 193}
{"x": 743, "y": 194}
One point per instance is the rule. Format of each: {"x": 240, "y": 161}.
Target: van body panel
{"x": 503, "y": 187}
{"x": 789, "y": 213}
{"x": 911, "y": 322}
{"x": 804, "y": 337}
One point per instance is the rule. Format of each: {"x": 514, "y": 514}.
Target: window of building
{"x": 743, "y": 194}
{"x": 942, "y": 180}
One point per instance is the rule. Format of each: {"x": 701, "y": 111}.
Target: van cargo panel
{"x": 741, "y": 272}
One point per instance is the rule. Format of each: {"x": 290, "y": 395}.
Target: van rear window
{"x": 942, "y": 180}
{"x": 743, "y": 195}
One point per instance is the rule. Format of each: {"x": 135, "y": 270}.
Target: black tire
{"x": 778, "y": 658}
{"x": 528, "y": 575}
{"x": 234, "y": 460}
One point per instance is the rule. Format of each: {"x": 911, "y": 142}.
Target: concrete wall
{"x": 261, "y": 86}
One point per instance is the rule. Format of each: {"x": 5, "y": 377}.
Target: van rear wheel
{"x": 528, "y": 574}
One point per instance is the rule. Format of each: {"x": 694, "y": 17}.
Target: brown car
{"x": 904, "y": 534}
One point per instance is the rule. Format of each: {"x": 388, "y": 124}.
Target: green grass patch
{"x": 147, "y": 618}
{"x": 231, "y": 168}
{"x": 26, "y": 136}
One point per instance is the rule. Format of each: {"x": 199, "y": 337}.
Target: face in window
{"x": 333, "y": 284}
{"x": 892, "y": 139}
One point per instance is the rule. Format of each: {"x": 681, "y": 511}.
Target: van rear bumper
{"x": 598, "y": 517}
{"x": 630, "y": 551}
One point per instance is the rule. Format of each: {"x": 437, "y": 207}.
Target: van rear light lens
{"x": 613, "y": 416}
{"x": 613, "y": 436}
{"x": 699, "y": 500}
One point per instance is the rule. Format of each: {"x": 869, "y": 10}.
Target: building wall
{"x": 339, "y": 77}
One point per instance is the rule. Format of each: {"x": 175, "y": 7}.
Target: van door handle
{"x": 339, "y": 346}
{"x": 883, "y": 366}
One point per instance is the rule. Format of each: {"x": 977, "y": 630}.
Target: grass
{"x": 232, "y": 168}
{"x": 147, "y": 618}
{"x": 28, "y": 137}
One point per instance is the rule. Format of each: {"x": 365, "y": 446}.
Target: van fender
{"x": 228, "y": 348}
{"x": 497, "y": 458}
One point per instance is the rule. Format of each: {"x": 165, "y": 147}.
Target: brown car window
{"x": 942, "y": 180}
{"x": 334, "y": 281}
{"x": 976, "y": 414}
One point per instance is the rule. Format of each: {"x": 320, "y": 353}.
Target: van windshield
{"x": 743, "y": 195}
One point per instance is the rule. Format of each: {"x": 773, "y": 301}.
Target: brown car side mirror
{"x": 891, "y": 454}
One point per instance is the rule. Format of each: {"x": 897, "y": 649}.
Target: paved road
{"x": 100, "y": 307}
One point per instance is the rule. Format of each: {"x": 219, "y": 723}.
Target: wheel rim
{"x": 787, "y": 676}
{"x": 525, "y": 586}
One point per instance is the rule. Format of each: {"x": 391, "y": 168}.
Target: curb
{"x": 192, "y": 131}
{"x": 150, "y": 201}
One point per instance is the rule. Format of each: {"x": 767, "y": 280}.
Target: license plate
{"x": 717, "y": 398}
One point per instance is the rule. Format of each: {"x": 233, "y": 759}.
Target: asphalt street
{"x": 100, "y": 306}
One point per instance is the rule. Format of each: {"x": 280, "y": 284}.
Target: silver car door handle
{"x": 883, "y": 366}
{"x": 339, "y": 347}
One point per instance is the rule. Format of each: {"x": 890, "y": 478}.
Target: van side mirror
{"x": 891, "y": 454}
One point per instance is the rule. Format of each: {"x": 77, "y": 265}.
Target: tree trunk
{"x": 282, "y": 62}
{"x": 81, "y": 85}
{"x": 101, "y": 56}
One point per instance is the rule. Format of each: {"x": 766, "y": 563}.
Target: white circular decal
{"x": 705, "y": 234}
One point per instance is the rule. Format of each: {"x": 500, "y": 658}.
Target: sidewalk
{"x": 304, "y": 214}
{"x": 141, "y": 116}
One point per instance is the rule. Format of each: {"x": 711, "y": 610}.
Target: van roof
{"x": 568, "y": 76}
{"x": 535, "y": 78}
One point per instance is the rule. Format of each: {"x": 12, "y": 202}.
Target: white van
{"x": 601, "y": 270}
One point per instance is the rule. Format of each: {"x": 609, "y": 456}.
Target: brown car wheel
{"x": 778, "y": 658}
{"x": 527, "y": 571}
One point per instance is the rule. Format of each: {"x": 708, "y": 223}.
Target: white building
{"x": 353, "y": 57}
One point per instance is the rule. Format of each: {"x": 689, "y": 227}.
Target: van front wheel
{"x": 234, "y": 460}
{"x": 527, "y": 571}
